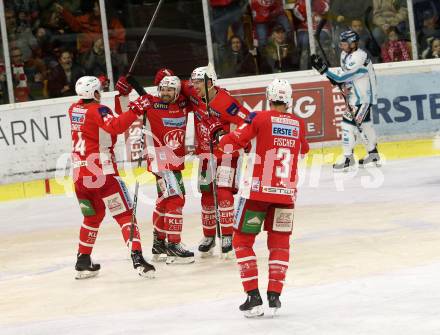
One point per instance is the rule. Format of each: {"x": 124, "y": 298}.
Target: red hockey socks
{"x": 158, "y": 222}
{"x": 125, "y": 224}
{"x": 226, "y": 209}
{"x": 87, "y": 236}
{"x": 173, "y": 219}
{"x": 278, "y": 244}
{"x": 208, "y": 214}
{"x": 246, "y": 260}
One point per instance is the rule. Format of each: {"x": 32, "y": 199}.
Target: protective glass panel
{"x": 427, "y": 23}
{"x": 52, "y": 44}
{"x": 177, "y": 40}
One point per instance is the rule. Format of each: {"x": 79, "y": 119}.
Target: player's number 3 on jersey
{"x": 283, "y": 155}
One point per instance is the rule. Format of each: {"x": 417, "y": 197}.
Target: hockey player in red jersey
{"x": 225, "y": 115}
{"x": 268, "y": 191}
{"x": 95, "y": 174}
{"x": 165, "y": 138}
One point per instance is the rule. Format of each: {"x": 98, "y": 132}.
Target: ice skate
{"x": 85, "y": 267}
{"x": 227, "y": 252}
{"x": 371, "y": 160}
{"x": 206, "y": 247}
{"x": 177, "y": 254}
{"x": 144, "y": 268}
{"x": 159, "y": 249}
{"x": 346, "y": 165}
{"x": 273, "y": 299}
{"x": 253, "y": 306}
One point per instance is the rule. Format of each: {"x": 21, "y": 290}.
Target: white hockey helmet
{"x": 279, "y": 90}
{"x": 172, "y": 82}
{"x": 86, "y": 87}
{"x": 199, "y": 74}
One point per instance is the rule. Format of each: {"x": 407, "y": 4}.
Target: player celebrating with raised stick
{"x": 95, "y": 174}
{"x": 357, "y": 73}
{"x": 225, "y": 114}
{"x": 165, "y": 137}
{"x": 267, "y": 196}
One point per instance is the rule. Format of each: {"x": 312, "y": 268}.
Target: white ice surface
{"x": 365, "y": 261}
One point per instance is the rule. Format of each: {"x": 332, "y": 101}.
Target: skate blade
{"x": 179, "y": 260}
{"x": 86, "y": 274}
{"x": 370, "y": 165}
{"x": 256, "y": 311}
{"x": 151, "y": 274}
{"x": 158, "y": 258}
{"x": 207, "y": 254}
{"x": 345, "y": 170}
{"x": 228, "y": 255}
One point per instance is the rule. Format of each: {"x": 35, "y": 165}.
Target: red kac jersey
{"x": 165, "y": 138}
{"x": 276, "y": 141}
{"x": 226, "y": 112}
{"x": 94, "y": 130}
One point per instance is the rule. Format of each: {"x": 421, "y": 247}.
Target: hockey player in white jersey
{"x": 358, "y": 76}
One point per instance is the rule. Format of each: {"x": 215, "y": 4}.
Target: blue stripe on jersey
{"x": 345, "y": 77}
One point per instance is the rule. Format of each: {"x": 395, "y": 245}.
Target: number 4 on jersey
{"x": 80, "y": 145}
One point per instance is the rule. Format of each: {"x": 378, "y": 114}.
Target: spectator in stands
{"x": 430, "y": 29}
{"x": 319, "y": 9}
{"x": 279, "y": 53}
{"x": 18, "y": 38}
{"x": 225, "y": 14}
{"x": 90, "y": 29}
{"x": 237, "y": 60}
{"x": 366, "y": 42}
{"x": 56, "y": 33}
{"x": 28, "y": 12}
{"x": 346, "y": 11}
{"x": 62, "y": 78}
{"x": 265, "y": 14}
{"x": 3, "y": 87}
{"x": 93, "y": 61}
{"x": 434, "y": 49}
{"x": 395, "y": 49}
{"x": 20, "y": 81}
{"x": 387, "y": 13}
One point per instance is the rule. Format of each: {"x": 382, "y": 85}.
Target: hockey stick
{"x": 368, "y": 28}
{"x": 213, "y": 168}
{"x": 140, "y": 90}
{"x": 144, "y": 39}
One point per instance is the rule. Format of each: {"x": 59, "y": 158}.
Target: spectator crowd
{"x": 53, "y": 43}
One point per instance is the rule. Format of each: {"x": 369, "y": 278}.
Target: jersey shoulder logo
{"x": 232, "y": 109}
{"x": 250, "y": 117}
{"x": 104, "y": 111}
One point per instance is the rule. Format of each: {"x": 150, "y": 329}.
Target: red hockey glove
{"x": 161, "y": 74}
{"x": 123, "y": 87}
{"x": 140, "y": 105}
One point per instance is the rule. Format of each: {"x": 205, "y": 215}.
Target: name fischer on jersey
{"x": 283, "y": 142}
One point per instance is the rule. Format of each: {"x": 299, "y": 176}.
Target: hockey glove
{"x": 123, "y": 87}
{"x": 318, "y": 64}
{"x": 161, "y": 74}
{"x": 140, "y": 105}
